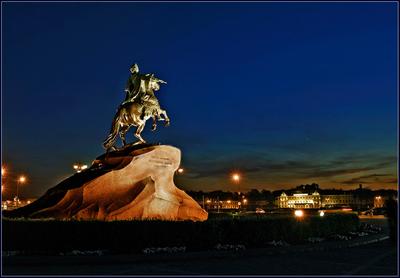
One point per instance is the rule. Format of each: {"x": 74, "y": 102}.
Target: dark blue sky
{"x": 285, "y": 93}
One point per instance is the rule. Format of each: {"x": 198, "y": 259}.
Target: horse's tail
{"x": 109, "y": 142}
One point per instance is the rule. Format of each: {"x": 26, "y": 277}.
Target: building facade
{"x": 332, "y": 201}
{"x": 316, "y": 200}
{"x": 299, "y": 200}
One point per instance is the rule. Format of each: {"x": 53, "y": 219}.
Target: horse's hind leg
{"x": 138, "y": 132}
{"x": 122, "y": 134}
{"x": 154, "y": 126}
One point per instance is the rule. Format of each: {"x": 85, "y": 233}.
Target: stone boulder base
{"x": 133, "y": 183}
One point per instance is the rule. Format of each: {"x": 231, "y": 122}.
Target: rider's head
{"x": 134, "y": 68}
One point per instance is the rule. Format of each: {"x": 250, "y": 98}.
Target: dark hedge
{"x": 49, "y": 236}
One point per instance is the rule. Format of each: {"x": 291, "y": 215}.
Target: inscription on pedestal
{"x": 161, "y": 161}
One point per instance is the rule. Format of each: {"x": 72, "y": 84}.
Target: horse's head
{"x": 153, "y": 84}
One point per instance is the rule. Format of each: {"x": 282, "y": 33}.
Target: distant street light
{"x": 180, "y": 171}
{"x": 236, "y": 177}
{"x": 298, "y": 213}
{"x": 22, "y": 179}
{"x": 79, "y": 167}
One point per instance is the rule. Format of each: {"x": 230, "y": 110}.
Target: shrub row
{"x": 133, "y": 236}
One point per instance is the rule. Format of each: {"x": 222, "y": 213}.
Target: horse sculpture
{"x": 136, "y": 113}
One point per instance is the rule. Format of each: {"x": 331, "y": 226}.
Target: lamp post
{"x": 236, "y": 179}
{"x": 21, "y": 180}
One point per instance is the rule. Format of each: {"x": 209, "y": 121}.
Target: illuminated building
{"x": 379, "y": 202}
{"x": 15, "y": 203}
{"x": 299, "y": 200}
{"x": 339, "y": 200}
{"x": 315, "y": 200}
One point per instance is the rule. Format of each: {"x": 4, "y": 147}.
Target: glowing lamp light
{"x": 180, "y": 170}
{"x": 3, "y": 171}
{"x": 22, "y": 179}
{"x": 298, "y": 213}
{"x": 236, "y": 177}
{"x": 79, "y": 167}
{"x": 321, "y": 213}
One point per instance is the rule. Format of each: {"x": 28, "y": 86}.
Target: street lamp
{"x": 21, "y": 180}
{"x": 236, "y": 179}
{"x": 180, "y": 171}
{"x": 298, "y": 213}
{"x": 79, "y": 167}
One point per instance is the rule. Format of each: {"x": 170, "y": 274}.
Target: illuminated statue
{"x": 140, "y": 104}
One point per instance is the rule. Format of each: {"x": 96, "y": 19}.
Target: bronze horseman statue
{"x": 135, "y": 182}
{"x": 140, "y": 104}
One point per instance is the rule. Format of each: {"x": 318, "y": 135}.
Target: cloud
{"x": 368, "y": 179}
{"x": 295, "y": 169}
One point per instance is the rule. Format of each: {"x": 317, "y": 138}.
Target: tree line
{"x": 264, "y": 194}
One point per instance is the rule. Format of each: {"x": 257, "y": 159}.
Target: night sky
{"x": 284, "y": 93}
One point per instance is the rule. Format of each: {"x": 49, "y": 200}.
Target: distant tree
{"x": 254, "y": 194}
{"x": 267, "y": 195}
{"x": 277, "y": 193}
{"x": 215, "y": 194}
{"x": 197, "y": 195}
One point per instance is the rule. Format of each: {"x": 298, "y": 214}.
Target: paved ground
{"x": 378, "y": 258}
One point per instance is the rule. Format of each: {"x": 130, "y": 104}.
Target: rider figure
{"x": 132, "y": 87}
{"x": 138, "y": 86}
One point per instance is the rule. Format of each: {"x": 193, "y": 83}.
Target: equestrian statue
{"x": 140, "y": 104}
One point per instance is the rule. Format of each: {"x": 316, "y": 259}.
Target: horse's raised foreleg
{"x": 166, "y": 118}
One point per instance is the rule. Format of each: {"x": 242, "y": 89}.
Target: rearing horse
{"x": 136, "y": 113}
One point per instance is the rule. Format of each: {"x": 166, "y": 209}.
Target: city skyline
{"x": 282, "y": 94}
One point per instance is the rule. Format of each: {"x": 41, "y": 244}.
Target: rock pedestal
{"x": 133, "y": 183}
